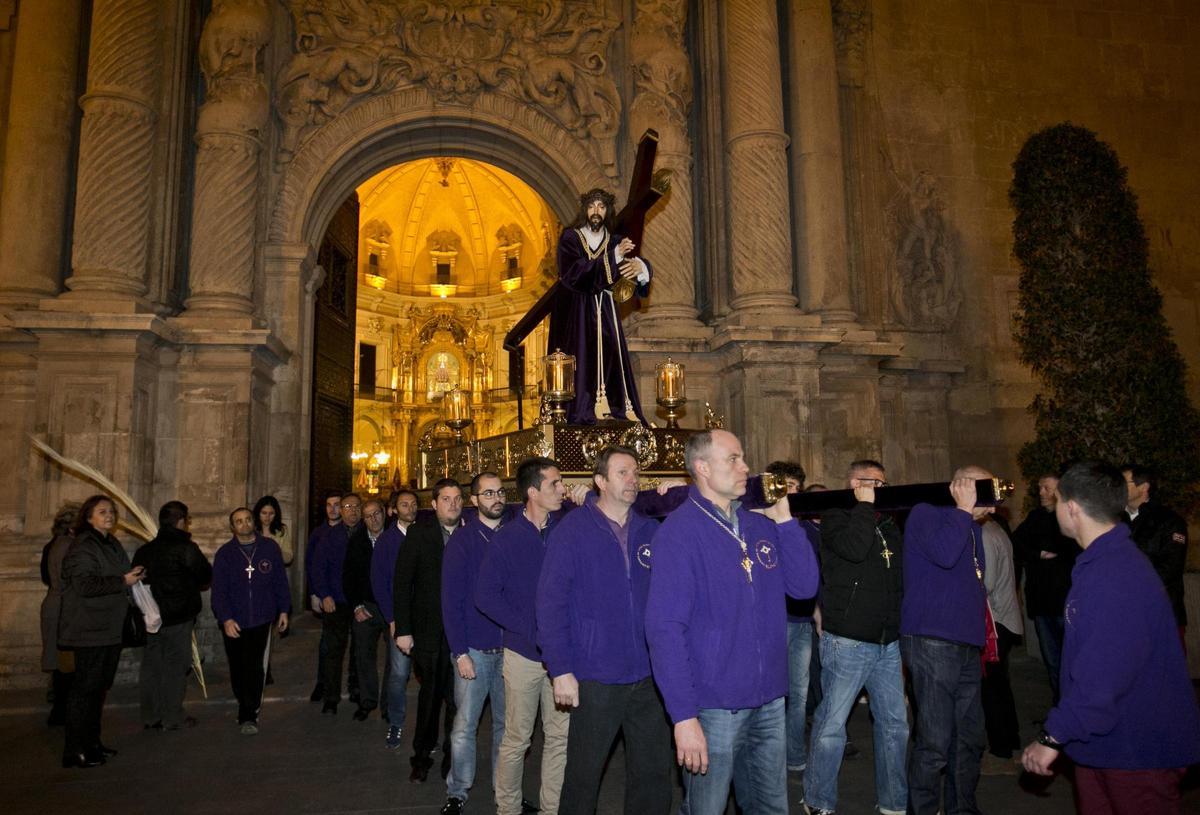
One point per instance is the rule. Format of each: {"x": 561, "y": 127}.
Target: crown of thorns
{"x": 597, "y": 194}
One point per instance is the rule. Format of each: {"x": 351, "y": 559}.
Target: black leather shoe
{"x": 361, "y": 714}
{"x": 81, "y": 761}
{"x": 106, "y": 752}
{"x": 529, "y": 806}
{"x": 156, "y": 726}
{"x": 419, "y": 774}
{"x": 330, "y": 708}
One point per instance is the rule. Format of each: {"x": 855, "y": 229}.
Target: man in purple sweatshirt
{"x": 475, "y": 641}
{"x": 591, "y": 605}
{"x": 250, "y": 593}
{"x": 398, "y": 666}
{"x": 506, "y": 592}
{"x": 716, "y": 623}
{"x": 1127, "y": 716}
{"x": 328, "y": 577}
{"x": 942, "y": 624}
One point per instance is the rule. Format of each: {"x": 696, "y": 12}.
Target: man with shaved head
{"x": 943, "y": 619}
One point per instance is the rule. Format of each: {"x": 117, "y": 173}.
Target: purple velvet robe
{"x": 587, "y": 277}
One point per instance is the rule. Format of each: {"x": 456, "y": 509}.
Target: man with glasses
{"x": 417, "y": 605}
{"x": 368, "y": 625}
{"x": 861, "y": 591}
{"x": 475, "y": 641}
{"x": 329, "y": 584}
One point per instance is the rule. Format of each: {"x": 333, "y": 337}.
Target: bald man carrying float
{"x": 716, "y": 623}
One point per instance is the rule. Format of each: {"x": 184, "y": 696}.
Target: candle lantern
{"x": 670, "y": 390}
{"x": 456, "y": 406}
{"x": 558, "y": 383}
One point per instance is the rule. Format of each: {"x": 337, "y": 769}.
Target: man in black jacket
{"x": 861, "y": 588}
{"x": 1048, "y": 556}
{"x": 417, "y": 607}
{"x": 176, "y": 571}
{"x": 367, "y": 625}
{"x": 1161, "y": 534}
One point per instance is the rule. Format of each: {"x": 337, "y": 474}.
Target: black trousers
{"x": 437, "y": 689}
{"x": 247, "y": 673}
{"x": 999, "y": 708}
{"x": 95, "y": 669}
{"x": 637, "y": 712}
{"x": 335, "y": 633}
{"x": 163, "y": 679}
{"x": 364, "y": 655}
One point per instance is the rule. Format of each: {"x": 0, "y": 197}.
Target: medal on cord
{"x": 747, "y": 563}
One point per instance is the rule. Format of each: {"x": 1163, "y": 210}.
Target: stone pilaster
{"x": 757, "y": 172}
{"x": 818, "y": 177}
{"x": 116, "y": 150}
{"x": 662, "y": 101}
{"x": 37, "y": 151}
{"x": 229, "y": 137}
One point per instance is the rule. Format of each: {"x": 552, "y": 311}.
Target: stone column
{"x": 116, "y": 151}
{"x": 37, "y": 150}
{"x": 229, "y": 137}
{"x": 757, "y": 171}
{"x": 817, "y": 169}
{"x": 662, "y": 101}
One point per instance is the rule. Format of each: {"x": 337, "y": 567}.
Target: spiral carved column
{"x": 228, "y": 134}
{"x": 756, "y": 142}
{"x": 116, "y": 148}
{"x": 662, "y": 101}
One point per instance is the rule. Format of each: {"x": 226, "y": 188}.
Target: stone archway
{"x": 378, "y": 133}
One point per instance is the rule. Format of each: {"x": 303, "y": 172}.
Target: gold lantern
{"x": 456, "y": 406}
{"x": 558, "y": 383}
{"x": 670, "y": 390}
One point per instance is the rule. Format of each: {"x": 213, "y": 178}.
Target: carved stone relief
{"x": 851, "y": 27}
{"x": 926, "y": 292}
{"x": 553, "y": 55}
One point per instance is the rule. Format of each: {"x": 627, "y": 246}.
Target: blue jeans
{"x": 395, "y": 683}
{"x": 469, "y": 696}
{"x": 847, "y": 666}
{"x": 1050, "y": 642}
{"x": 748, "y": 750}
{"x": 800, "y": 637}
{"x": 949, "y": 739}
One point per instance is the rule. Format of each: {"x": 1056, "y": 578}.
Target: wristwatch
{"x": 1047, "y": 740}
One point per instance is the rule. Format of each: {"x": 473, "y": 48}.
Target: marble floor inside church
{"x": 303, "y": 762}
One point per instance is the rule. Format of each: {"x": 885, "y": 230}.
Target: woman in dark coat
{"x": 53, "y": 659}
{"x": 96, "y": 577}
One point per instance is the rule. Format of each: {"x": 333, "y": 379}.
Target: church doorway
{"x": 427, "y": 265}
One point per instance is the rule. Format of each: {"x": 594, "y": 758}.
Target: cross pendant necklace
{"x": 250, "y": 570}
{"x": 887, "y": 553}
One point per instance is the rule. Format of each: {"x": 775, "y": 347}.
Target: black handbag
{"x": 133, "y": 632}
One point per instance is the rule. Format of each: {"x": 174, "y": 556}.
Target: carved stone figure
{"x": 925, "y": 288}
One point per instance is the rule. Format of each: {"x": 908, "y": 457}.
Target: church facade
{"x": 832, "y": 262}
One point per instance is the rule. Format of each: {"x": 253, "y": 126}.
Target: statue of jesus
{"x": 586, "y": 323}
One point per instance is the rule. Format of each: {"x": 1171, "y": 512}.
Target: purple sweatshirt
{"x": 591, "y": 600}
{"x": 717, "y": 639}
{"x": 330, "y": 565}
{"x": 1127, "y": 701}
{"x": 465, "y": 626}
{"x": 383, "y": 569}
{"x": 943, "y": 597}
{"x": 314, "y": 539}
{"x": 508, "y": 580}
{"x": 250, "y": 598}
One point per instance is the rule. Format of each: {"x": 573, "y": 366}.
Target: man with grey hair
{"x": 367, "y": 624}
{"x": 717, "y": 598}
